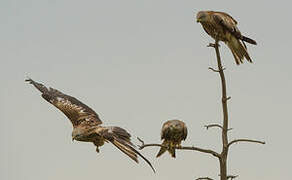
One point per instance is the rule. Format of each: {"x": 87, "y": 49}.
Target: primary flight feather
{"x": 86, "y": 123}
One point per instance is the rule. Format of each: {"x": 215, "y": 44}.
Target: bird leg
{"x": 97, "y": 149}
{"x": 211, "y": 45}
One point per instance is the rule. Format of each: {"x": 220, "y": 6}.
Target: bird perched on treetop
{"x": 86, "y": 123}
{"x": 222, "y": 26}
{"x": 172, "y": 132}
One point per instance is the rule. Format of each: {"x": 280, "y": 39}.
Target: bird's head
{"x": 202, "y": 16}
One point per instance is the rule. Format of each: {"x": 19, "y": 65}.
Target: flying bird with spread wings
{"x": 86, "y": 123}
{"x": 172, "y": 132}
{"x": 221, "y": 26}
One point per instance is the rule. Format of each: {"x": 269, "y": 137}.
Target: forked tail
{"x": 121, "y": 139}
{"x": 167, "y": 147}
{"x": 238, "y": 50}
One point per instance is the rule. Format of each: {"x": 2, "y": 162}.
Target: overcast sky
{"x": 138, "y": 64}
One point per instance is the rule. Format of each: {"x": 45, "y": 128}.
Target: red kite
{"x": 172, "y": 132}
{"x": 221, "y": 26}
{"x": 86, "y": 123}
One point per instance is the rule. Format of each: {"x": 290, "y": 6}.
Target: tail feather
{"x": 249, "y": 40}
{"x": 162, "y": 149}
{"x": 238, "y": 50}
{"x": 167, "y": 146}
{"x": 172, "y": 152}
{"x": 121, "y": 139}
{"x": 126, "y": 148}
{"x": 121, "y": 133}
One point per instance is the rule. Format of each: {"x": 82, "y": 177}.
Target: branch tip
{"x": 213, "y": 125}
{"x": 245, "y": 140}
{"x": 214, "y": 70}
{"x": 232, "y": 177}
{"x": 204, "y": 178}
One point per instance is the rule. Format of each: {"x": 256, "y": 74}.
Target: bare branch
{"x": 215, "y": 125}
{"x": 232, "y": 177}
{"x": 204, "y": 178}
{"x": 200, "y": 150}
{"x": 226, "y": 99}
{"x": 215, "y": 70}
{"x": 148, "y": 145}
{"x": 223, "y": 155}
{"x": 245, "y": 140}
{"x": 142, "y": 142}
{"x": 193, "y": 148}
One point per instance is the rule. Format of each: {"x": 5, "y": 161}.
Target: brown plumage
{"x": 86, "y": 123}
{"x": 172, "y": 132}
{"x": 222, "y": 26}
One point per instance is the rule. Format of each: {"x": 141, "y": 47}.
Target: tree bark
{"x": 224, "y": 153}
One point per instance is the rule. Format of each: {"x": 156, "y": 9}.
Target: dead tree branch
{"x": 215, "y": 125}
{"x": 245, "y": 140}
{"x": 204, "y": 178}
{"x": 215, "y": 70}
{"x": 224, "y": 127}
{"x": 193, "y": 148}
{"x": 232, "y": 177}
{"x": 224, "y": 153}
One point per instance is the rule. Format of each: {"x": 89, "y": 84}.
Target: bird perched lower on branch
{"x": 172, "y": 132}
{"x": 221, "y": 26}
{"x": 86, "y": 123}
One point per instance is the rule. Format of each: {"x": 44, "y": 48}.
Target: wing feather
{"x": 74, "y": 109}
{"x": 165, "y": 131}
{"x": 121, "y": 139}
{"x": 185, "y": 132}
{"x": 228, "y": 23}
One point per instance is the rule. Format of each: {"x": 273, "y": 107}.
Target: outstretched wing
{"x": 75, "y": 110}
{"x": 120, "y": 138}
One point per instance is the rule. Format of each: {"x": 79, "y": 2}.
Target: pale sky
{"x": 138, "y": 64}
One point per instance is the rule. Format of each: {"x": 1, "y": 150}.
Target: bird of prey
{"x": 172, "y": 132}
{"x": 86, "y": 123}
{"x": 221, "y": 26}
